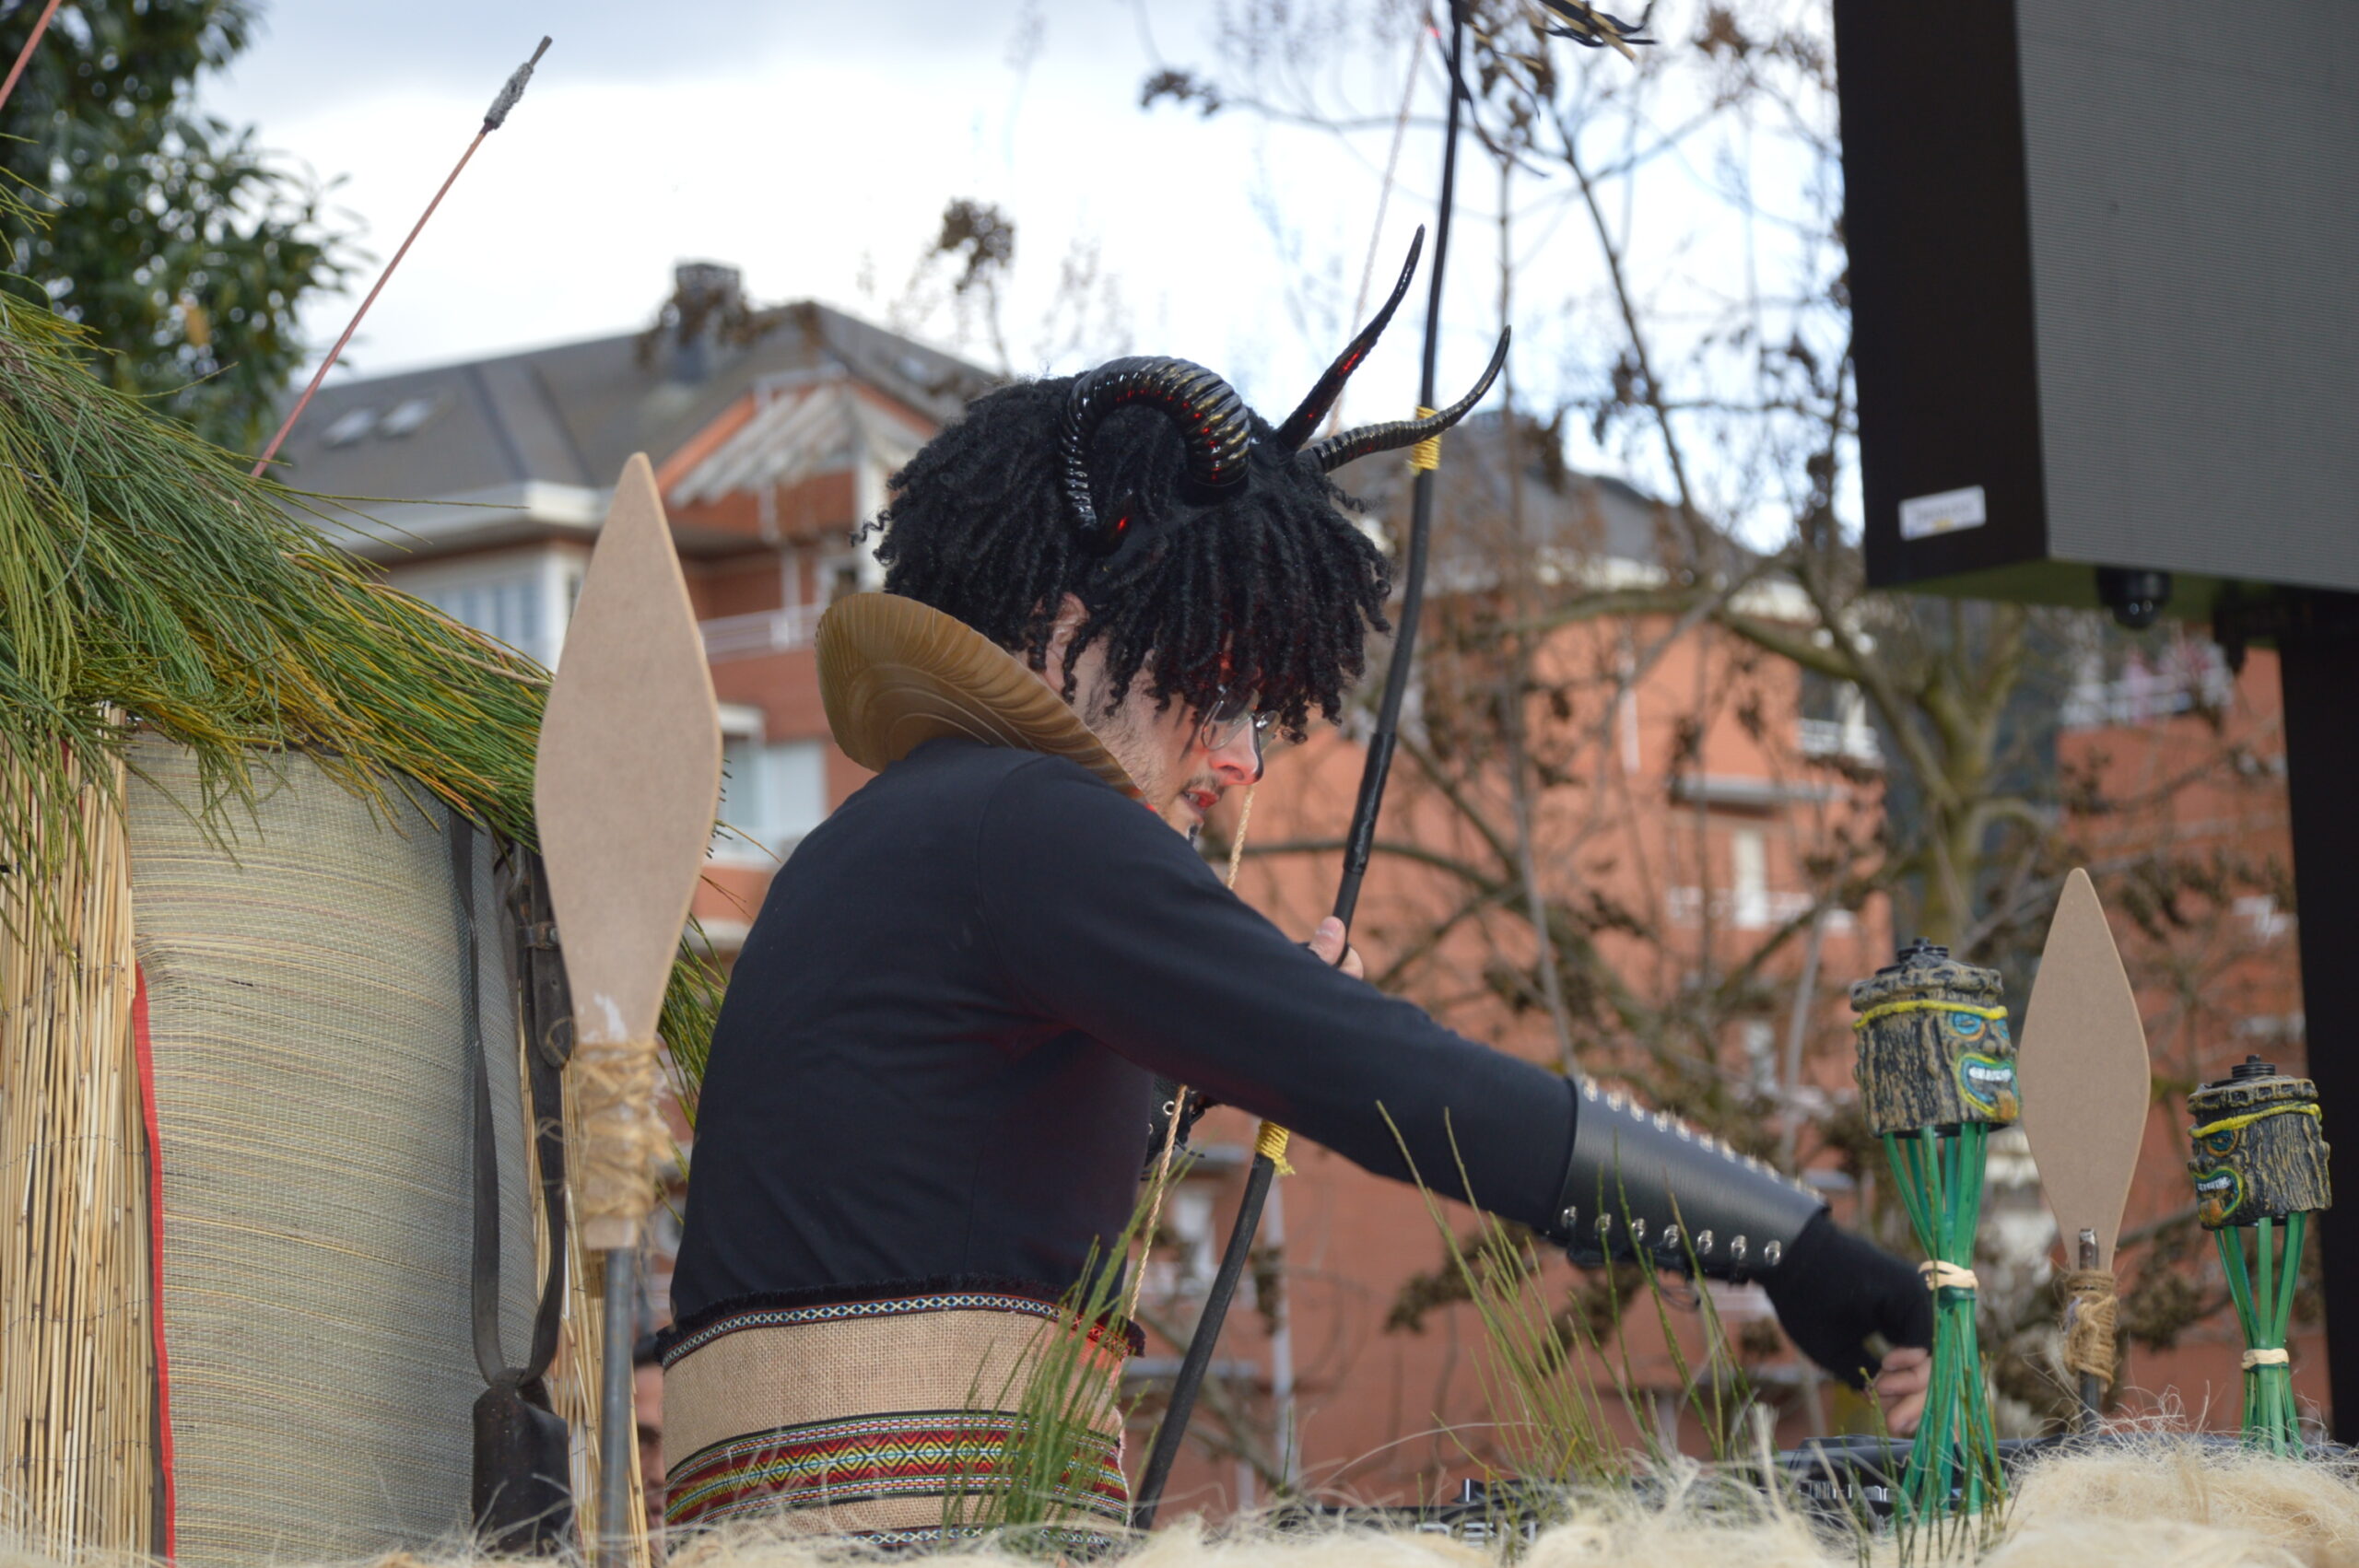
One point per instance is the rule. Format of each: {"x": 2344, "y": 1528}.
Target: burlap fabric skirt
{"x": 883, "y": 1420}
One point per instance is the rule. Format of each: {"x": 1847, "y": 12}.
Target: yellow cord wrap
{"x": 1425, "y": 456}
{"x": 1921, "y": 1005}
{"x": 2265, "y": 1358}
{"x": 1270, "y": 1141}
{"x": 2230, "y": 1124}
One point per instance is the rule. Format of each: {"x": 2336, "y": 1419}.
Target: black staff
{"x": 1357, "y": 847}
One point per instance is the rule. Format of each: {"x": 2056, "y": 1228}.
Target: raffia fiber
{"x": 76, "y": 1385}
{"x": 2091, "y": 1310}
{"x": 2164, "y": 1506}
{"x": 623, "y": 1139}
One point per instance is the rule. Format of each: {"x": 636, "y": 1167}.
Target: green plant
{"x": 1035, "y": 1489}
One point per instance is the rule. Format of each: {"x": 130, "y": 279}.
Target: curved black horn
{"x": 1212, "y": 419}
{"x": 1305, "y": 419}
{"x": 1336, "y": 451}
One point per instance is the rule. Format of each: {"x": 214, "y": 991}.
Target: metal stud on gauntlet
{"x": 1639, "y": 1181}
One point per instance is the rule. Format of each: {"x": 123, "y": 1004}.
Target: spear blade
{"x": 2087, "y": 1083}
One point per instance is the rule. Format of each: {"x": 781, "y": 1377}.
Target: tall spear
{"x": 624, "y": 790}
{"x": 1592, "y": 29}
{"x": 493, "y": 119}
{"x": 1270, "y": 1141}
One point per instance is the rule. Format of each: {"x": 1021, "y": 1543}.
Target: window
{"x": 349, "y": 427}
{"x": 1749, "y": 879}
{"x": 408, "y": 416}
{"x": 507, "y": 607}
{"x": 773, "y": 794}
{"x": 1759, "y": 1038}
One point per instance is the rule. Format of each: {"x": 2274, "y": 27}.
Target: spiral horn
{"x": 1336, "y": 451}
{"x": 1305, "y": 419}
{"x": 1211, "y": 418}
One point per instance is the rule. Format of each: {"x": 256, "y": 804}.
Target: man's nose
{"x": 1239, "y": 760}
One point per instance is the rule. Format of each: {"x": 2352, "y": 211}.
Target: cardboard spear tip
{"x": 628, "y": 774}
{"x": 2086, "y": 1080}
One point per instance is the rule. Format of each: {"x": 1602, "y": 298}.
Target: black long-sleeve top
{"x": 935, "y": 1064}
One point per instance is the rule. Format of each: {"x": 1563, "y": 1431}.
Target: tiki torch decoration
{"x": 625, "y": 787}
{"x": 1937, "y": 1071}
{"x": 2259, "y": 1166}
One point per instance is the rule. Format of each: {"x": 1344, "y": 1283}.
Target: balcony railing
{"x": 1835, "y": 738}
{"x": 768, "y": 631}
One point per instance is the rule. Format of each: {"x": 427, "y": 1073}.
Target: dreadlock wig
{"x": 1206, "y": 545}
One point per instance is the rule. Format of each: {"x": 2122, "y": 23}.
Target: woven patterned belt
{"x": 883, "y": 1420}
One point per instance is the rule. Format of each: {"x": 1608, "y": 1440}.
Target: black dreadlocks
{"x": 1266, "y": 587}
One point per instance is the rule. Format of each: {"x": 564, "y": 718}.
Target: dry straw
{"x": 76, "y": 1394}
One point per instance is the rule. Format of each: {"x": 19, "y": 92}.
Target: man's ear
{"x": 1071, "y": 617}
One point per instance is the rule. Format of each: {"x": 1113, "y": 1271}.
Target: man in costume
{"x": 932, "y": 1081}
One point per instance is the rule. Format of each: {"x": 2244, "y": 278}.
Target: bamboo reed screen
{"x": 76, "y": 1394}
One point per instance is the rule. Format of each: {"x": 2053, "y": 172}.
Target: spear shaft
{"x": 1358, "y": 845}
{"x": 493, "y": 119}
{"x": 24, "y": 55}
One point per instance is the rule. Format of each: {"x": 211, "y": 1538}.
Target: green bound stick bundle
{"x": 1937, "y": 1071}
{"x": 2259, "y": 1166}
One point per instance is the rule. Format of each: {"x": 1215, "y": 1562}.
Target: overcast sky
{"x": 813, "y": 144}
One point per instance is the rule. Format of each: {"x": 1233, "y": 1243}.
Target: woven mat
{"x": 313, "y": 1109}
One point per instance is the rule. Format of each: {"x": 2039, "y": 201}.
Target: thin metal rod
{"x": 1173, "y": 1433}
{"x": 2091, "y": 1385}
{"x": 353, "y": 326}
{"x": 1192, "y": 1366}
{"x": 617, "y": 1423}
{"x": 1360, "y": 843}
{"x": 24, "y": 55}
{"x": 493, "y": 119}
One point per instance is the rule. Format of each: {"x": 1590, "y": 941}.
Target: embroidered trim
{"x": 680, "y": 1344}
{"x": 837, "y": 1312}
{"x": 941, "y": 1454}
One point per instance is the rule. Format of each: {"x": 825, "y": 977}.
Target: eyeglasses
{"x": 1227, "y": 717}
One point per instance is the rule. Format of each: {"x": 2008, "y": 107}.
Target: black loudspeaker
{"x": 2104, "y": 277}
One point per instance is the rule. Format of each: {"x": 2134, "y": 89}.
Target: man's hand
{"x": 1900, "y": 1389}
{"x": 1326, "y": 941}
{"x": 1834, "y": 1292}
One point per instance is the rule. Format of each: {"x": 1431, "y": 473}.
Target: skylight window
{"x": 350, "y": 426}
{"x": 408, "y": 416}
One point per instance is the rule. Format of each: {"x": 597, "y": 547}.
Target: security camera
{"x": 2135, "y": 595}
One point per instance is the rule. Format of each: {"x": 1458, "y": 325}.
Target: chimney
{"x": 707, "y": 307}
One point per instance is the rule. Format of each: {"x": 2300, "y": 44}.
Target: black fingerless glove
{"x": 1834, "y": 1290}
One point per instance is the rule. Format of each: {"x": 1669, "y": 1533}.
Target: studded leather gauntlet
{"x": 1639, "y": 1181}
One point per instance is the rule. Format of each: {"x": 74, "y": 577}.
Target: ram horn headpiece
{"x": 1211, "y": 418}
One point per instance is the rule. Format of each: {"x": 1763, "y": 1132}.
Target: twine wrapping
{"x": 1940, "y": 1276}
{"x": 2265, "y": 1357}
{"x": 1425, "y": 455}
{"x": 1269, "y": 1140}
{"x": 2090, "y": 1309}
{"x": 622, "y": 1139}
